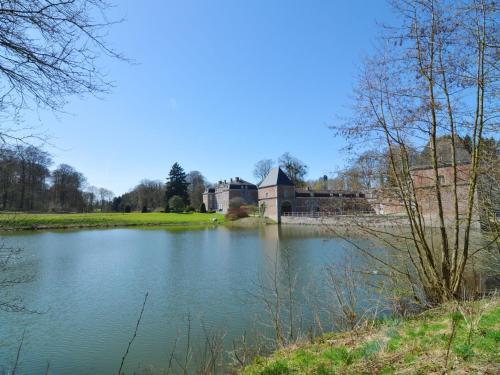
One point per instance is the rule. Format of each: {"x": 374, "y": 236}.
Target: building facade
{"x": 278, "y": 196}
{"x": 388, "y": 201}
{"x": 219, "y": 197}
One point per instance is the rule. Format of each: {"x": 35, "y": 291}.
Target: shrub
{"x": 203, "y": 208}
{"x": 252, "y": 209}
{"x": 144, "y": 209}
{"x": 128, "y": 209}
{"x": 236, "y": 213}
{"x": 176, "y": 204}
{"x": 190, "y": 209}
{"x": 236, "y": 202}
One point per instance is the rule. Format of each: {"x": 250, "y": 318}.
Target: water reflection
{"x": 90, "y": 285}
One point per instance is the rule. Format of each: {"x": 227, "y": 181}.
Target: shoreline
{"x": 104, "y": 226}
{"x": 14, "y": 222}
{"x": 428, "y": 342}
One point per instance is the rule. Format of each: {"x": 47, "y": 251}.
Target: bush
{"x": 236, "y": 213}
{"x": 190, "y": 208}
{"x": 251, "y": 209}
{"x": 128, "y": 209}
{"x": 236, "y": 202}
{"x": 176, "y": 204}
{"x": 203, "y": 208}
{"x": 144, "y": 209}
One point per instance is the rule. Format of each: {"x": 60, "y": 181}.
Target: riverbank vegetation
{"x": 21, "y": 221}
{"x": 453, "y": 338}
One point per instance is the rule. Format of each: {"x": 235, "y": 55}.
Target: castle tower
{"x": 276, "y": 194}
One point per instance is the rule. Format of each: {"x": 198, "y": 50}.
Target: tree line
{"x": 28, "y": 184}
{"x": 181, "y": 192}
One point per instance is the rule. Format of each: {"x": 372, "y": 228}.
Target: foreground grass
{"x": 15, "y": 221}
{"x": 414, "y": 346}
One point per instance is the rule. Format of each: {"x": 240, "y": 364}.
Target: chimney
{"x": 231, "y": 180}
{"x": 237, "y": 179}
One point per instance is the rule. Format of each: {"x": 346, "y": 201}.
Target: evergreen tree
{"x": 176, "y": 204}
{"x": 176, "y": 185}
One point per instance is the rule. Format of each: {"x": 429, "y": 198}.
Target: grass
{"x": 409, "y": 346}
{"x": 22, "y": 221}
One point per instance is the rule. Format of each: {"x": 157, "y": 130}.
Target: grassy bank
{"x": 411, "y": 346}
{"x": 20, "y": 221}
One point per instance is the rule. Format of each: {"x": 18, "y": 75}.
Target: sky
{"x": 216, "y": 86}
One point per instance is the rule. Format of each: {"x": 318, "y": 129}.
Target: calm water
{"x": 90, "y": 286}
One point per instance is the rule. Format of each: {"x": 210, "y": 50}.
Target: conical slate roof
{"x": 276, "y": 177}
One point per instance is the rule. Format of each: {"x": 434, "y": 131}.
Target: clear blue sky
{"x": 218, "y": 85}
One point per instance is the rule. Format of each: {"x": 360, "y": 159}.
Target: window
{"x": 441, "y": 180}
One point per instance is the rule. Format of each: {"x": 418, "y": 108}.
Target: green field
{"x": 426, "y": 344}
{"x": 14, "y": 221}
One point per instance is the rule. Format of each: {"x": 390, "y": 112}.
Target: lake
{"x": 89, "y": 287}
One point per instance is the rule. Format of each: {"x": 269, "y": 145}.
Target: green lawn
{"x": 55, "y": 221}
{"x": 412, "y": 346}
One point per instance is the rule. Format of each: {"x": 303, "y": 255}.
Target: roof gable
{"x": 276, "y": 177}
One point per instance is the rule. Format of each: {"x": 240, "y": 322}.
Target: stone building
{"x": 387, "y": 201}
{"x": 426, "y": 191}
{"x": 219, "y": 197}
{"x": 278, "y": 196}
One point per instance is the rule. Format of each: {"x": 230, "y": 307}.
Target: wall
{"x": 348, "y": 220}
{"x": 269, "y": 197}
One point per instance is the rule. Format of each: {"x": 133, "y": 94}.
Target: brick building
{"x": 278, "y": 196}
{"x": 387, "y": 202}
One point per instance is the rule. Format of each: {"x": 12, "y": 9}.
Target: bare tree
{"x": 276, "y": 291}
{"x": 105, "y": 197}
{"x": 66, "y": 188}
{"x": 262, "y": 169}
{"x": 49, "y": 50}
{"x": 197, "y": 184}
{"x": 295, "y": 169}
{"x": 435, "y": 75}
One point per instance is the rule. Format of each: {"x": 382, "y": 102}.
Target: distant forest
{"x": 27, "y": 183}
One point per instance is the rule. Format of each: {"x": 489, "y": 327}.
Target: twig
{"x": 134, "y": 335}
{"x": 18, "y": 354}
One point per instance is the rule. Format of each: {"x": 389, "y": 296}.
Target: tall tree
{"x": 177, "y": 184}
{"x": 197, "y": 184}
{"x": 67, "y": 188}
{"x": 435, "y": 75}
{"x": 295, "y": 169}
{"x": 262, "y": 169}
